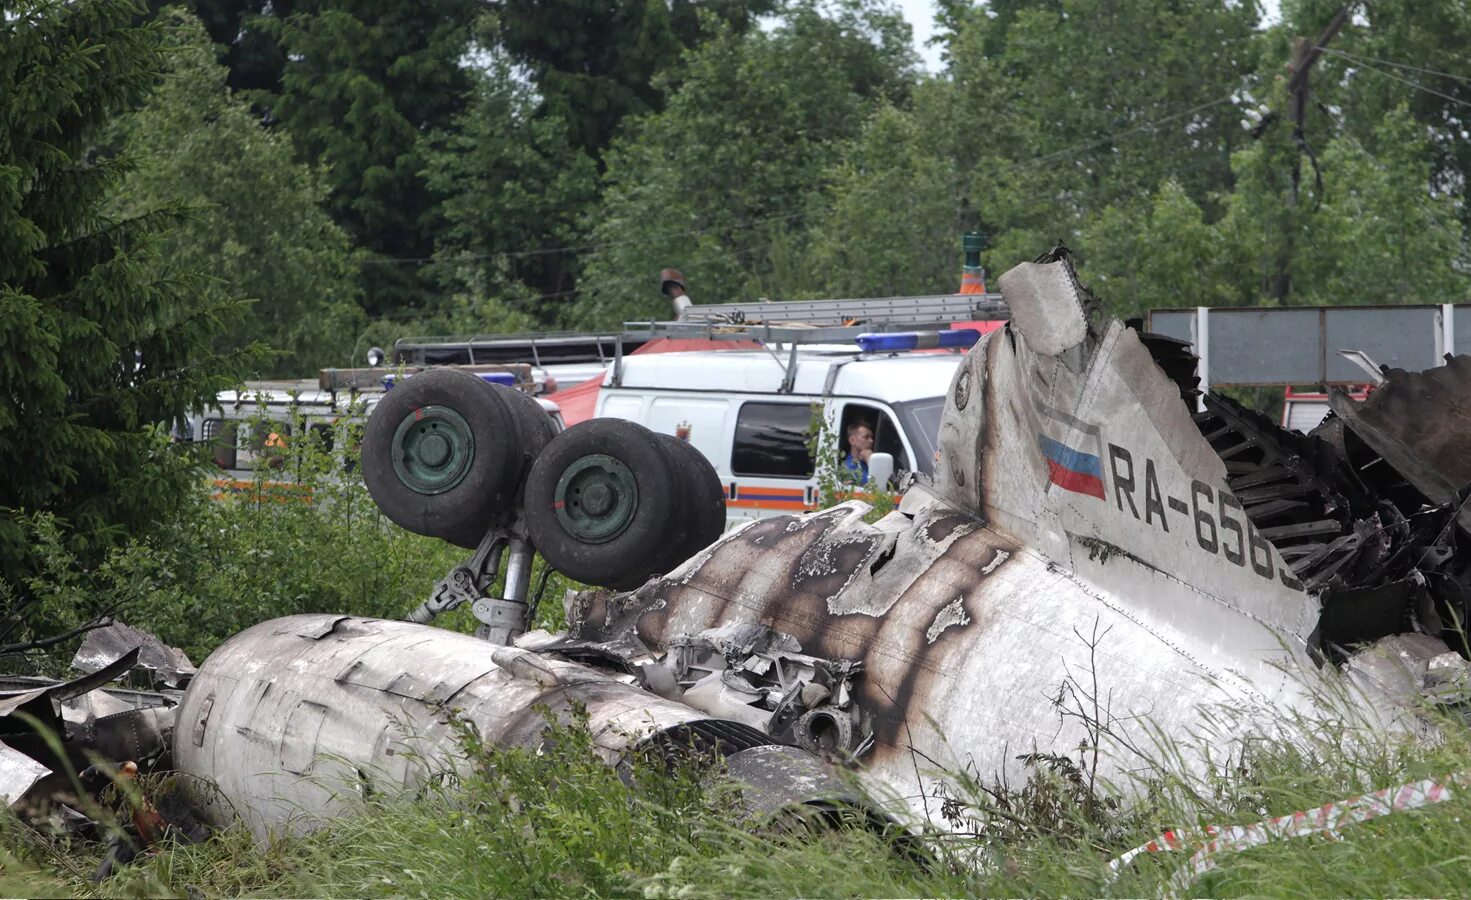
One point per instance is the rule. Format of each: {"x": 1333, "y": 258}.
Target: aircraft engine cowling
{"x": 292, "y": 717}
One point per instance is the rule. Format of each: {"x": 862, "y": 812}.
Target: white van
{"x": 740, "y": 409}
{"x": 258, "y": 418}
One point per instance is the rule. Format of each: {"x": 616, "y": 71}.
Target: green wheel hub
{"x": 432, "y": 449}
{"x": 595, "y": 499}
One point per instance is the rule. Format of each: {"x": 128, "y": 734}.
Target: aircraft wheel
{"x": 442, "y": 455}
{"x": 536, "y": 427}
{"x": 703, "y": 516}
{"x": 601, "y": 503}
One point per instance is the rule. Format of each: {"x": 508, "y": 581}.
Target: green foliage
{"x": 1159, "y": 252}
{"x": 100, "y": 338}
{"x": 595, "y": 63}
{"x": 302, "y": 535}
{"x": 513, "y": 178}
{"x": 1067, "y": 107}
{"x": 1392, "y": 54}
{"x": 896, "y": 208}
{"x": 723, "y": 175}
{"x": 560, "y": 822}
{"x": 364, "y": 83}
{"x": 305, "y": 537}
{"x": 1374, "y": 232}
{"x": 256, "y": 224}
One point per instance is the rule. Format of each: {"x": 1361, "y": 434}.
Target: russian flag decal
{"x": 1072, "y": 449}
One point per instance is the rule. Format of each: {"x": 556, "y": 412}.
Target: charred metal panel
{"x": 1420, "y": 422}
{"x": 1071, "y": 497}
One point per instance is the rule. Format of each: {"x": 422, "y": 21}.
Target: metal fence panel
{"x": 1403, "y": 337}
{"x": 1175, "y": 323}
{"x": 1264, "y": 346}
{"x": 1299, "y": 345}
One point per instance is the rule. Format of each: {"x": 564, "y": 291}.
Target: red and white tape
{"x": 1214, "y": 841}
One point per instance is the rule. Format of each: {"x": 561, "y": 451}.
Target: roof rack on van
{"x": 540, "y": 348}
{"x": 873, "y": 313}
{"x": 779, "y": 323}
{"x": 808, "y": 322}
{"x": 826, "y": 321}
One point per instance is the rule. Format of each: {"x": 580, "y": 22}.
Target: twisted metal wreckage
{"x": 1212, "y": 556}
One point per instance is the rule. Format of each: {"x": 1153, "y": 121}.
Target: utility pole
{"x": 1304, "y": 55}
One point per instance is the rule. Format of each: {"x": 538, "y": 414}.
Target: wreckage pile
{"x": 68, "y": 747}
{"x": 804, "y": 640}
{"x": 1372, "y": 509}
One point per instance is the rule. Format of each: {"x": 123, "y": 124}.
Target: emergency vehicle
{"x": 756, "y": 414}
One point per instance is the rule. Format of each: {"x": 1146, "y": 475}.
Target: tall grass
{"x": 559, "y": 822}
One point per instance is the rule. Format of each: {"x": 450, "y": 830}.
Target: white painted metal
{"x": 293, "y": 717}
{"x": 973, "y": 604}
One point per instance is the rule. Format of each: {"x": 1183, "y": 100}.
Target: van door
{"x": 699, "y": 420}
{"x": 771, "y": 464}
{"x": 854, "y": 415}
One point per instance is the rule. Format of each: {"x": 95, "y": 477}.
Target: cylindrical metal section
{"x": 292, "y": 716}
{"x": 518, "y": 571}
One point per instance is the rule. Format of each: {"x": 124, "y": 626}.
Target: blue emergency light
{"x": 506, "y": 378}
{"x": 917, "y": 340}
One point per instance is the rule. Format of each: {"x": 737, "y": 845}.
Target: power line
{"x": 1108, "y": 139}
{"x": 747, "y": 224}
{"x": 1398, "y": 65}
{"x": 1415, "y": 84}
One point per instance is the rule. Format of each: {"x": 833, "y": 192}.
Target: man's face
{"x": 860, "y": 438}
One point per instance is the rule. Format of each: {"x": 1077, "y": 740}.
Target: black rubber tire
{"x": 535, "y": 429}
{"x": 626, "y": 560}
{"x": 490, "y": 483}
{"x": 702, "y": 519}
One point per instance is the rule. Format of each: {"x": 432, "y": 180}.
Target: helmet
{"x": 669, "y": 276}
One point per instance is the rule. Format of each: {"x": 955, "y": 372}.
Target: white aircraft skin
{"x": 1074, "y": 497}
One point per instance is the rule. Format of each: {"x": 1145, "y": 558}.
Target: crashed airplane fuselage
{"x": 1080, "y": 529}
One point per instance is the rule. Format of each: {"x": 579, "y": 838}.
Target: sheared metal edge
{"x": 18, "y": 774}
{"x": 11, "y": 701}
{"x": 103, "y": 646}
{"x": 1420, "y": 422}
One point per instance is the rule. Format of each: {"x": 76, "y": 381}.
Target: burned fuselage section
{"x": 1084, "y": 523}
{"x": 1088, "y": 534}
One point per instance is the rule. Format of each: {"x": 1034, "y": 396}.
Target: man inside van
{"x": 860, "y": 448}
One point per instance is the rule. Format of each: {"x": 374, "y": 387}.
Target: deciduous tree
{"x": 256, "y": 223}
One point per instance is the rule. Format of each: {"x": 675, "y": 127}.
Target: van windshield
{"x": 921, "y": 421}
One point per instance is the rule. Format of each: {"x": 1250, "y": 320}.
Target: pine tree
{"x": 101, "y": 343}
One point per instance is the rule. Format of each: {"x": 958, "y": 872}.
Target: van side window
{"x": 771, "y": 440}
{"x": 885, "y": 435}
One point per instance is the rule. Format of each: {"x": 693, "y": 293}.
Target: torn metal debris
{"x": 103, "y": 646}
{"x": 1086, "y": 526}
